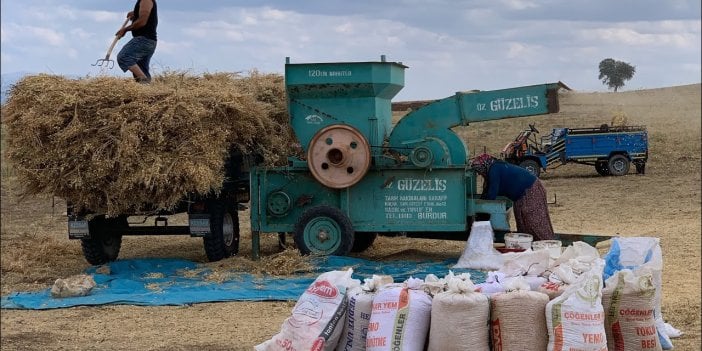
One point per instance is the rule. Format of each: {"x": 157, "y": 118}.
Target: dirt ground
{"x": 664, "y": 203}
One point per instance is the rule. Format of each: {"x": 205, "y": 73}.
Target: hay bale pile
{"x": 112, "y": 145}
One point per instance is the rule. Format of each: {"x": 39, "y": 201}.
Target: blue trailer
{"x": 611, "y": 150}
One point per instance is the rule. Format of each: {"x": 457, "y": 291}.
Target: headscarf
{"x": 481, "y": 164}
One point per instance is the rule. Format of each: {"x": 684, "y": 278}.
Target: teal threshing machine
{"x": 362, "y": 176}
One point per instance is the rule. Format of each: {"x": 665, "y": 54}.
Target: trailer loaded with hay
{"x": 119, "y": 152}
{"x": 208, "y": 146}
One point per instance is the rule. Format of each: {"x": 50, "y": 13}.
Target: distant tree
{"x": 614, "y": 73}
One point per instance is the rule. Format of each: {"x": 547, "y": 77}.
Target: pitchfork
{"x": 106, "y": 62}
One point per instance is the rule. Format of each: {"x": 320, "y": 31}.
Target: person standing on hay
{"x": 524, "y": 189}
{"x": 136, "y": 54}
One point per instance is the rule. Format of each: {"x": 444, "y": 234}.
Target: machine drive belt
{"x": 314, "y": 109}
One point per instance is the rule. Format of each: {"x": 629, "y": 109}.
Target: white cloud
{"x": 631, "y": 37}
{"x": 519, "y": 4}
{"x": 681, "y": 34}
{"x": 15, "y": 33}
{"x": 273, "y": 14}
{"x": 175, "y": 47}
{"x": 345, "y": 28}
{"x": 81, "y": 34}
{"x": 105, "y": 16}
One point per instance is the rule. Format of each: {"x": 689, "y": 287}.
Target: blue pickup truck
{"x": 611, "y": 150}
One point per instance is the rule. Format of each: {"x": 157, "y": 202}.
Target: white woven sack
{"x": 575, "y": 319}
{"x": 360, "y": 306}
{"x": 317, "y": 319}
{"x": 628, "y": 301}
{"x": 459, "y": 317}
{"x": 400, "y": 318}
{"x": 517, "y": 321}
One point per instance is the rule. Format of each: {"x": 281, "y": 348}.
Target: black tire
{"x": 531, "y": 166}
{"x": 324, "y": 230}
{"x": 223, "y": 240}
{"x": 105, "y": 239}
{"x": 602, "y": 168}
{"x": 618, "y": 165}
{"x": 362, "y": 241}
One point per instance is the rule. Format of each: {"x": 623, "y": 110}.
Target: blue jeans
{"x": 137, "y": 51}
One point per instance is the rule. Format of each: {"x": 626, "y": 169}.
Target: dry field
{"x": 665, "y": 202}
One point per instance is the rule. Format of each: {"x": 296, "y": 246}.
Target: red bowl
{"x": 509, "y": 249}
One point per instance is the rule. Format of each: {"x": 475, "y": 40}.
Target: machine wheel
{"x": 531, "y": 166}
{"x": 363, "y": 241}
{"x": 602, "y": 168}
{"x": 105, "y": 239}
{"x": 223, "y": 240}
{"x": 618, "y": 165}
{"x": 324, "y": 230}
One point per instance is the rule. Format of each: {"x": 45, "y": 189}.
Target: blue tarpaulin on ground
{"x": 159, "y": 282}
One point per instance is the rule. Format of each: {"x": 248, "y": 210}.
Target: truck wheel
{"x": 324, "y": 230}
{"x": 223, "y": 240}
{"x": 105, "y": 239}
{"x": 602, "y": 168}
{"x": 531, "y": 166}
{"x": 362, "y": 241}
{"x": 618, "y": 165}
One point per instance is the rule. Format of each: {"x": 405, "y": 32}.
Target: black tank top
{"x": 149, "y": 29}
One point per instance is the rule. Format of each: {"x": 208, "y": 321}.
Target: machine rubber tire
{"x": 618, "y": 165}
{"x": 105, "y": 239}
{"x": 324, "y": 230}
{"x": 602, "y": 168}
{"x": 362, "y": 241}
{"x": 223, "y": 240}
{"x": 531, "y": 166}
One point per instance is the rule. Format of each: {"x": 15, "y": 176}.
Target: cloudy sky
{"x": 449, "y": 45}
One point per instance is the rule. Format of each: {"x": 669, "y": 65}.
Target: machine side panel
{"x": 283, "y": 194}
{"x": 407, "y": 200}
{"x": 384, "y": 201}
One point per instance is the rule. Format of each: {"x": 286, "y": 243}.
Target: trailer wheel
{"x": 618, "y": 165}
{"x": 223, "y": 240}
{"x": 105, "y": 239}
{"x": 531, "y": 166}
{"x": 602, "y": 168}
{"x": 324, "y": 230}
{"x": 362, "y": 241}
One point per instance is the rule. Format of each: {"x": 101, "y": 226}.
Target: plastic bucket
{"x": 553, "y": 246}
{"x": 518, "y": 241}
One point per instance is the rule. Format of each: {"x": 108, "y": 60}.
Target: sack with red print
{"x": 575, "y": 319}
{"x": 628, "y": 301}
{"x": 358, "y": 314}
{"x": 317, "y": 319}
{"x": 400, "y": 318}
{"x": 459, "y": 317}
{"x": 517, "y": 318}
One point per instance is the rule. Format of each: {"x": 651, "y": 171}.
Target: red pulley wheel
{"x": 338, "y": 156}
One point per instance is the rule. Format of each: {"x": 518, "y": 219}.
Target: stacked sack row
{"x": 525, "y": 305}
